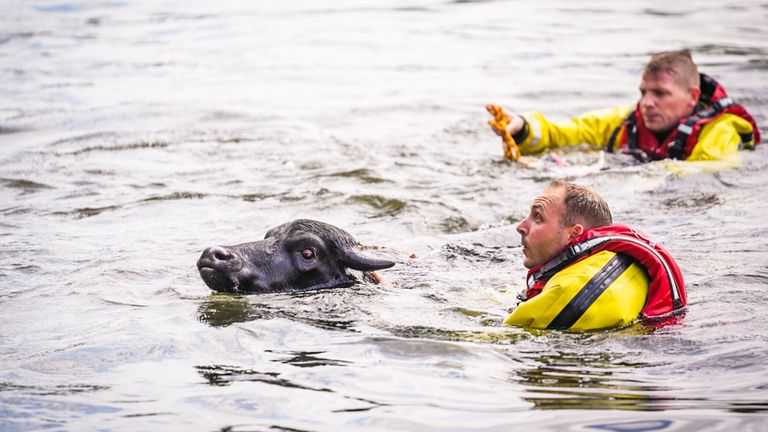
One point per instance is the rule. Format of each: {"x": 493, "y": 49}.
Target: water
{"x": 133, "y": 135}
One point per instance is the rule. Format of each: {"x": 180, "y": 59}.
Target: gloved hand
{"x": 506, "y": 126}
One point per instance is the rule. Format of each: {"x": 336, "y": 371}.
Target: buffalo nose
{"x": 218, "y": 257}
{"x": 218, "y": 253}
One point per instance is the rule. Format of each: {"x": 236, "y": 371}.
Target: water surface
{"x": 134, "y": 134}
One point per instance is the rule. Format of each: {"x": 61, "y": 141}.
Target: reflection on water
{"x": 66, "y": 389}
{"x": 586, "y": 381}
{"x": 606, "y": 381}
{"x": 308, "y": 359}
{"x": 486, "y": 336}
{"x": 219, "y": 375}
{"x": 632, "y": 426}
{"x": 222, "y": 310}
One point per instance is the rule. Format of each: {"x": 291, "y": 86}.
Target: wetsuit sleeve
{"x": 720, "y": 139}
{"x": 593, "y": 128}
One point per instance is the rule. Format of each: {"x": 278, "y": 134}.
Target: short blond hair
{"x": 679, "y": 64}
{"x": 582, "y": 205}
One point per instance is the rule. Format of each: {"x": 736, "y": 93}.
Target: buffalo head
{"x": 302, "y": 254}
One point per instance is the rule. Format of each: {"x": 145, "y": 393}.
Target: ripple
{"x": 664, "y": 13}
{"x": 365, "y": 175}
{"x": 222, "y": 310}
{"x": 305, "y": 359}
{"x": 454, "y": 225}
{"x": 56, "y": 390}
{"x": 8, "y": 37}
{"x": 196, "y": 141}
{"x": 85, "y": 137}
{"x": 221, "y": 375}
{"x": 725, "y": 49}
{"x": 43, "y": 413}
{"x": 254, "y": 197}
{"x": 85, "y": 212}
{"x": 24, "y": 185}
{"x": 755, "y": 64}
{"x": 122, "y": 147}
{"x": 176, "y": 196}
{"x": 440, "y": 334}
{"x": 385, "y": 206}
{"x": 7, "y": 130}
{"x": 700, "y": 201}
{"x": 475, "y": 253}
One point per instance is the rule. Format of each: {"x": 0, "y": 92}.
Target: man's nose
{"x": 522, "y": 227}
{"x": 647, "y": 100}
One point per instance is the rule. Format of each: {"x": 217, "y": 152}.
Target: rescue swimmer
{"x": 585, "y": 273}
{"x": 681, "y": 114}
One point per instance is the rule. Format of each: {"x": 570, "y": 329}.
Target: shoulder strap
{"x": 565, "y": 259}
{"x": 708, "y": 86}
{"x": 590, "y": 292}
{"x": 578, "y": 250}
{"x": 685, "y": 128}
{"x": 630, "y": 126}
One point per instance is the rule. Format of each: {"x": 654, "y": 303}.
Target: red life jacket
{"x": 679, "y": 144}
{"x": 666, "y": 293}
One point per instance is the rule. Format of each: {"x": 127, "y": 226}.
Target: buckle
{"x": 684, "y": 128}
{"x": 521, "y": 296}
{"x": 533, "y": 278}
{"x": 723, "y": 103}
{"x": 575, "y": 250}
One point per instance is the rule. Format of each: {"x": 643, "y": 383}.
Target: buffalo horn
{"x": 354, "y": 260}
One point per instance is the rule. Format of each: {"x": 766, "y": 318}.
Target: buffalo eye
{"x": 307, "y": 254}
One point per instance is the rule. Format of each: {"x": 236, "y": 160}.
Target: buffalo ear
{"x": 352, "y": 259}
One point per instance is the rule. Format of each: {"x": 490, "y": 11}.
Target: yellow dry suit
{"x": 625, "y": 286}
{"x": 606, "y": 277}
{"x": 718, "y": 128}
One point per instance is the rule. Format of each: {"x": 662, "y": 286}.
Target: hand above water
{"x": 506, "y": 126}
{"x": 502, "y": 121}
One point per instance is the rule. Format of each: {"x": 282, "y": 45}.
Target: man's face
{"x": 664, "y": 101}
{"x": 543, "y": 235}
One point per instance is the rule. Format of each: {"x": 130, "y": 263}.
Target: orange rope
{"x": 500, "y": 122}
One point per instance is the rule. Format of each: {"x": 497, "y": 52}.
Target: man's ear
{"x": 574, "y": 231}
{"x": 695, "y": 93}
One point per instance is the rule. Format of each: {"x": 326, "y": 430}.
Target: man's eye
{"x": 537, "y": 217}
{"x": 307, "y": 254}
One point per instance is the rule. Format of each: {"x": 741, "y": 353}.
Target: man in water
{"x": 681, "y": 114}
{"x": 586, "y": 273}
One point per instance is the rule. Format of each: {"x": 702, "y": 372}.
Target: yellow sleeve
{"x": 593, "y": 128}
{"x": 620, "y": 304}
{"x": 720, "y": 140}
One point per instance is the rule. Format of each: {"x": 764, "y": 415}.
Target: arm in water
{"x": 534, "y": 133}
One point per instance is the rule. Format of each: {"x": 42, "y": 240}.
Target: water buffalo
{"x": 298, "y": 255}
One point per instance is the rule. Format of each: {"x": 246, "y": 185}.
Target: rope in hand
{"x": 500, "y": 122}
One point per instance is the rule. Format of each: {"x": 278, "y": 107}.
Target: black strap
{"x": 522, "y": 134}
{"x": 633, "y": 149}
{"x": 631, "y": 131}
{"x": 566, "y": 258}
{"x": 569, "y": 256}
{"x": 612, "y": 139}
{"x": 630, "y": 125}
{"x": 747, "y": 141}
{"x": 590, "y": 292}
{"x": 685, "y": 128}
{"x": 708, "y": 86}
